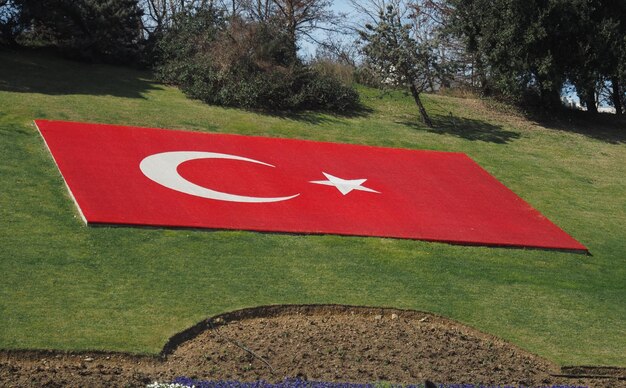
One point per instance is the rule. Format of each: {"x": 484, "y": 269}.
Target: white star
{"x": 344, "y": 185}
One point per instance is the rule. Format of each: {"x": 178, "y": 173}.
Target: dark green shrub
{"x": 92, "y": 30}
{"x": 181, "y": 52}
{"x": 323, "y": 91}
{"x": 244, "y": 64}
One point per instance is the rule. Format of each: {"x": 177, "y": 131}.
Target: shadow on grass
{"x": 320, "y": 117}
{"x": 38, "y": 71}
{"x": 605, "y": 127}
{"x": 469, "y": 129}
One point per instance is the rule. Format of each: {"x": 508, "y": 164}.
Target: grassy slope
{"x": 66, "y": 286}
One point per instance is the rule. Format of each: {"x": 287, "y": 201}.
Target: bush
{"x": 91, "y": 30}
{"x": 365, "y": 75}
{"x": 244, "y": 64}
{"x": 341, "y": 71}
{"x": 325, "y": 91}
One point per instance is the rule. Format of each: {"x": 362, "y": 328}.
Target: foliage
{"x": 330, "y": 68}
{"x": 245, "y": 64}
{"x": 337, "y": 59}
{"x": 397, "y": 57}
{"x": 366, "y": 76}
{"x": 162, "y": 14}
{"x": 186, "y": 40}
{"x": 299, "y": 18}
{"x": 431, "y": 25}
{"x": 598, "y": 52}
{"x": 296, "y": 19}
{"x": 92, "y": 30}
{"x": 9, "y": 22}
{"x": 528, "y": 49}
{"x": 66, "y": 286}
{"x": 125, "y": 31}
{"x": 510, "y": 39}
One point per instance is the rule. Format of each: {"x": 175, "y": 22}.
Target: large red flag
{"x": 144, "y": 176}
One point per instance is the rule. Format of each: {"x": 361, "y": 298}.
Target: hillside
{"x": 68, "y": 286}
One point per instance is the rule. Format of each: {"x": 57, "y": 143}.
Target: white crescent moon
{"x": 162, "y": 168}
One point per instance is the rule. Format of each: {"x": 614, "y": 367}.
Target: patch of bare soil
{"x": 321, "y": 343}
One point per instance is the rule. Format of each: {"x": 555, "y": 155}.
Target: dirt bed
{"x": 321, "y": 343}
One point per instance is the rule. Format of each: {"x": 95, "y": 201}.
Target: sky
{"x": 307, "y": 49}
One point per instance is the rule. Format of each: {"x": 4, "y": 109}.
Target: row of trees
{"x": 237, "y": 53}
{"x": 528, "y": 50}
{"x": 246, "y": 63}
{"x": 522, "y": 50}
{"x": 96, "y": 28}
{"x": 245, "y": 53}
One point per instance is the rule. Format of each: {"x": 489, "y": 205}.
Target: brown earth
{"x": 322, "y": 343}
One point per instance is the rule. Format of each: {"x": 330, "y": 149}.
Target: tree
{"x": 596, "y": 49}
{"x": 302, "y": 16}
{"x": 528, "y": 49}
{"x": 299, "y": 18}
{"x": 610, "y": 17}
{"x": 259, "y": 10}
{"x": 519, "y": 45}
{"x": 431, "y": 26}
{"x": 96, "y": 30}
{"x": 10, "y": 26}
{"x": 237, "y": 62}
{"x": 396, "y": 56}
{"x": 619, "y": 82}
{"x": 161, "y": 14}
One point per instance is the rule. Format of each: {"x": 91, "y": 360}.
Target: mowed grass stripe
{"x": 66, "y": 286}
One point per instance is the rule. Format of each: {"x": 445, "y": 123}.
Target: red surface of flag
{"x": 145, "y": 176}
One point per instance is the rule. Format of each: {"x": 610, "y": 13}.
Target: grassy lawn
{"x": 67, "y": 286}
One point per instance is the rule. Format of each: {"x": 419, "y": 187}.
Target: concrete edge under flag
{"x": 124, "y": 175}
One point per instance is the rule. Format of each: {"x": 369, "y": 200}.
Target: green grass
{"x": 67, "y": 286}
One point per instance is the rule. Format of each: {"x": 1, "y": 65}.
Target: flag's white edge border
{"x": 80, "y": 211}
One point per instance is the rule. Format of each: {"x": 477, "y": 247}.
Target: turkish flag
{"x": 145, "y": 176}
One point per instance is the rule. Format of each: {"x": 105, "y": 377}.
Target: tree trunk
{"x": 416, "y": 97}
{"x": 292, "y": 26}
{"x": 589, "y": 98}
{"x": 617, "y": 101}
{"x": 482, "y": 76}
{"x": 549, "y": 97}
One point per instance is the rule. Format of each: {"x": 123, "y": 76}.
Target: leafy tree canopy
{"x": 527, "y": 49}
{"x": 97, "y": 30}
{"x": 397, "y": 57}
{"x": 250, "y": 64}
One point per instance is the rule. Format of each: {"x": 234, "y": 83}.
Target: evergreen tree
{"x": 9, "y": 22}
{"x": 397, "y": 57}
{"x": 596, "y": 50}
{"x": 528, "y": 49}
{"x": 518, "y": 42}
{"x": 96, "y": 30}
